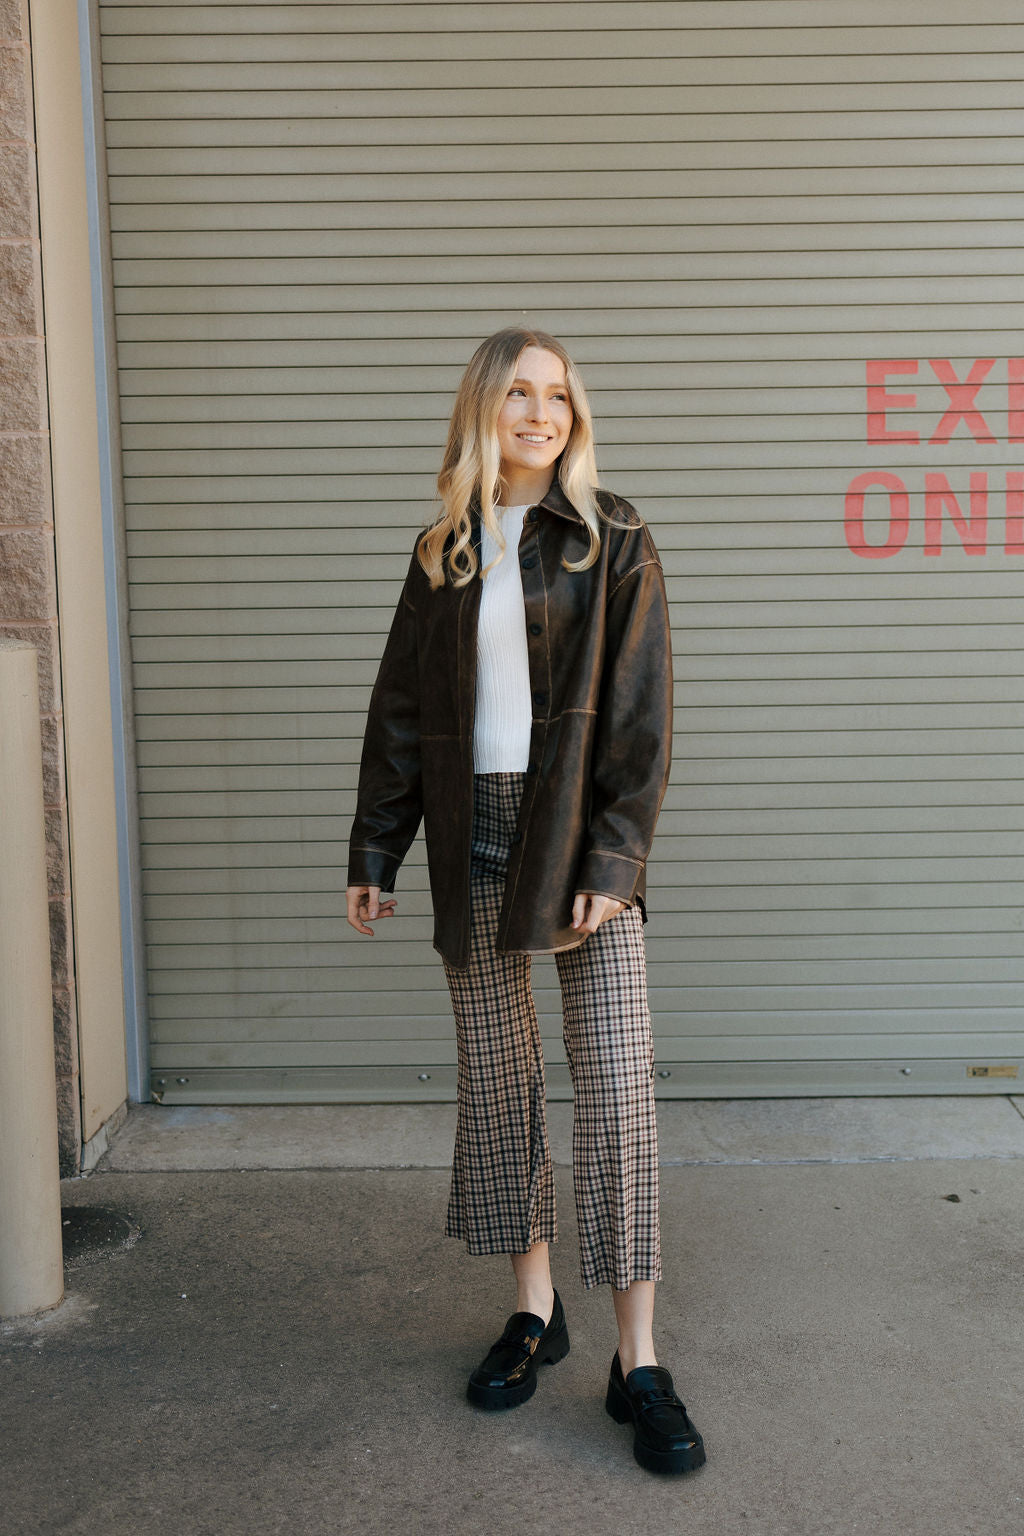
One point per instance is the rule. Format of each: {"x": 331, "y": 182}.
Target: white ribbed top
{"x": 504, "y": 706}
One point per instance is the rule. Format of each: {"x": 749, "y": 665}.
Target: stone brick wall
{"x": 28, "y": 587}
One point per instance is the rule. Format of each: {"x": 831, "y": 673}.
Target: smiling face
{"x": 534, "y": 423}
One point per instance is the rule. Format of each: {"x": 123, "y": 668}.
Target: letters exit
{"x": 961, "y": 415}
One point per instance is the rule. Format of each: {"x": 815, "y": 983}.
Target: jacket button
{"x": 536, "y": 629}
{"x": 533, "y": 515}
{"x": 517, "y": 837}
{"x": 531, "y": 767}
{"x": 528, "y": 563}
{"x": 540, "y": 698}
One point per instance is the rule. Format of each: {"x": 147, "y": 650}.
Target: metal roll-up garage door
{"x": 783, "y": 241}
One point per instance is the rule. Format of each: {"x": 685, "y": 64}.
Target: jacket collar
{"x": 554, "y": 500}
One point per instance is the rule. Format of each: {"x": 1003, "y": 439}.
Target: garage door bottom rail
{"x": 674, "y": 1080}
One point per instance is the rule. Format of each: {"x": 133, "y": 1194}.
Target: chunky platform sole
{"x": 687, "y": 1459}
{"x": 556, "y": 1348}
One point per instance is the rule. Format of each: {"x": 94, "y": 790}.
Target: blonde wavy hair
{"x": 471, "y": 469}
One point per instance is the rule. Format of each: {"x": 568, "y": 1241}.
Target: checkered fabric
{"x": 502, "y": 1192}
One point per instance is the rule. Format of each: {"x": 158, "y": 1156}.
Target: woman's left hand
{"x": 590, "y": 911}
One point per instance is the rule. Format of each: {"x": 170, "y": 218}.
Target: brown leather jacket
{"x": 601, "y": 671}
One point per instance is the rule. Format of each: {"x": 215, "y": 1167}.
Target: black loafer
{"x": 665, "y": 1439}
{"x": 508, "y": 1374}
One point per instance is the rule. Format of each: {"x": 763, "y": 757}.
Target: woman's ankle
{"x": 537, "y": 1300}
{"x": 534, "y": 1290}
{"x": 631, "y": 1356}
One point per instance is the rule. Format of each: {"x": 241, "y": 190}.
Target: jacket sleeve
{"x": 389, "y": 803}
{"x": 633, "y": 740}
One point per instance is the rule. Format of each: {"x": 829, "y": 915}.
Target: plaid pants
{"x": 502, "y": 1192}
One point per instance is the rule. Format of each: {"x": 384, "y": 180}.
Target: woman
{"x": 523, "y": 711}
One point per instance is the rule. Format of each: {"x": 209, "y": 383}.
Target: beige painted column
{"x": 31, "y": 1265}
{"x": 81, "y": 593}
{"x": 28, "y": 578}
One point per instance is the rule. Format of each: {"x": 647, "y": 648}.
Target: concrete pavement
{"x": 281, "y": 1343}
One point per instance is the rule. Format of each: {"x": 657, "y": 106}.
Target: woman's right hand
{"x": 365, "y": 906}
